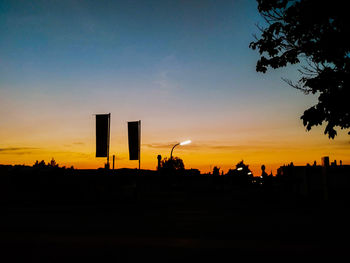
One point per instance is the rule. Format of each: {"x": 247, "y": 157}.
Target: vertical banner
{"x": 102, "y": 135}
{"x": 134, "y": 135}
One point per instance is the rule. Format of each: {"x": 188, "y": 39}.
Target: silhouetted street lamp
{"x": 181, "y": 143}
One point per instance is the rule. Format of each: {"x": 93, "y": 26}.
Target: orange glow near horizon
{"x": 301, "y": 149}
{"x": 41, "y": 131}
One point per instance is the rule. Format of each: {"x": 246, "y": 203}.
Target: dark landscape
{"x": 242, "y": 103}
{"x": 49, "y": 214}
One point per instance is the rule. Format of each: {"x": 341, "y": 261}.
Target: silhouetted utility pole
{"x": 113, "y": 160}
{"x": 159, "y": 157}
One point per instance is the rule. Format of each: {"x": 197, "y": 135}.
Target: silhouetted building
{"x": 318, "y": 181}
{"x": 325, "y": 161}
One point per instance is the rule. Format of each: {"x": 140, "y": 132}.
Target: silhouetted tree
{"x": 315, "y": 33}
{"x": 52, "y": 163}
{"x": 216, "y": 171}
{"x": 40, "y": 164}
{"x": 242, "y": 173}
{"x": 172, "y": 164}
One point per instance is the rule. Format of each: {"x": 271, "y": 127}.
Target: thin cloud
{"x": 73, "y": 144}
{"x": 258, "y": 146}
{"x": 341, "y": 144}
{"x": 12, "y": 149}
{"x": 17, "y": 150}
{"x": 202, "y": 146}
{"x": 159, "y": 145}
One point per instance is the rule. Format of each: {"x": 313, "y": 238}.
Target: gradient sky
{"x": 181, "y": 67}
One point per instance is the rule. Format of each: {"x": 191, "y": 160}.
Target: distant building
{"x": 325, "y": 161}
{"x": 318, "y": 181}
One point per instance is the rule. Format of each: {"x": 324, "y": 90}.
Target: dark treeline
{"x": 59, "y": 185}
{"x": 50, "y": 183}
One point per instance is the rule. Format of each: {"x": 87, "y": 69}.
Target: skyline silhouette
{"x": 117, "y": 214}
{"x": 184, "y": 69}
{"x": 173, "y": 130}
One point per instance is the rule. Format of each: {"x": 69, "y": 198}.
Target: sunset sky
{"x": 183, "y": 68}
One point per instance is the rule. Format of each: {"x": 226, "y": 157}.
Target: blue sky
{"x": 200, "y": 46}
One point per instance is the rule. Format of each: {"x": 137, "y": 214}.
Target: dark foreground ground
{"x": 166, "y": 221}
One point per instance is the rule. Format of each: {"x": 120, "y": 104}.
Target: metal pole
{"x": 171, "y": 153}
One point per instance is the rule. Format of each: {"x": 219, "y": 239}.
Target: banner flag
{"x": 102, "y": 134}
{"x": 134, "y": 135}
